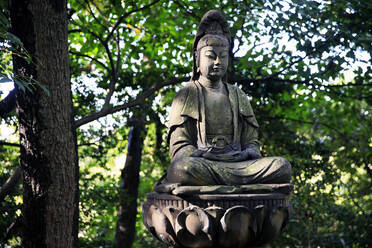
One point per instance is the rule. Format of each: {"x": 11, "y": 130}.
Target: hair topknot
{"x": 212, "y": 23}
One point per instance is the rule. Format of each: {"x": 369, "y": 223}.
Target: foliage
{"x": 306, "y": 65}
{"x": 11, "y": 45}
{"x": 308, "y": 111}
{"x": 10, "y": 207}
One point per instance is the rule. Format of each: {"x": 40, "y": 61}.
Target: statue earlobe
{"x": 196, "y": 56}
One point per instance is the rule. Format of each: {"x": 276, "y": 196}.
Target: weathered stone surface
{"x": 230, "y": 221}
{"x": 159, "y": 224}
{"x": 227, "y": 189}
{"x": 221, "y": 200}
{"x": 194, "y": 228}
{"x": 213, "y": 131}
{"x": 238, "y": 228}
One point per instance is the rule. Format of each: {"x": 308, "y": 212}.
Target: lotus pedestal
{"x": 216, "y": 220}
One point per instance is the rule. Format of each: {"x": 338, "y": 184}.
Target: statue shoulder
{"x": 186, "y": 95}
{"x": 245, "y": 108}
{"x": 244, "y": 103}
{"x": 185, "y": 103}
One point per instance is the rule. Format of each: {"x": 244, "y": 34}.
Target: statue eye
{"x": 210, "y": 54}
{"x": 223, "y": 55}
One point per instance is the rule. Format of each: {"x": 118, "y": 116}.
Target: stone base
{"x": 232, "y": 220}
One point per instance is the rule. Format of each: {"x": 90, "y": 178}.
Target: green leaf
{"x": 20, "y": 84}
{"x": 5, "y": 79}
{"x": 44, "y": 89}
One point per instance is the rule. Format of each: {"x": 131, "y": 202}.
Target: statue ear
{"x": 197, "y": 61}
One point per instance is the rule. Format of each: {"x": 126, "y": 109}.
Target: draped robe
{"x": 187, "y": 134}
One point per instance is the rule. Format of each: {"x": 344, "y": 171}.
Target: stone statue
{"x": 218, "y": 191}
{"x": 212, "y": 128}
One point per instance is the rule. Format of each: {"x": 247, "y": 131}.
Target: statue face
{"x": 213, "y": 62}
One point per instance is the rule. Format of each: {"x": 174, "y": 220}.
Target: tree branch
{"x": 10, "y": 183}
{"x": 290, "y": 81}
{"x": 90, "y": 57}
{"x": 347, "y": 85}
{"x": 139, "y": 100}
{"x": 8, "y": 103}
{"x": 184, "y": 8}
{"x": 313, "y": 51}
{"x": 87, "y": 144}
{"x": 100, "y": 12}
{"x": 84, "y": 29}
{"x": 308, "y": 122}
{"x": 126, "y": 15}
{"x": 75, "y": 31}
{"x": 115, "y": 72}
{"x": 3, "y": 143}
{"x": 13, "y": 229}
{"x": 268, "y": 79}
{"x": 92, "y": 13}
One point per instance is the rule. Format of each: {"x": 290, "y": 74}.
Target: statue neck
{"x": 212, "y": 84}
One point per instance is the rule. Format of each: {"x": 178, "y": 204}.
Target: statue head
{"x": 213, "y": 34}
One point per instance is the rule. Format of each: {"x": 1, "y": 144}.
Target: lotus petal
{"x": 171, "y": 214}
{"x": 274, "y": 223}
{"x": 236, "y": 228}
{"x": 146, "y": 217}
{"x": 260, "y": 214}
{"x": 158, "y": 224}
{"x": 193, "y": 228}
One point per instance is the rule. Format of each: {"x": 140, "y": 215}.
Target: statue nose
{"x": 217, "y": 61}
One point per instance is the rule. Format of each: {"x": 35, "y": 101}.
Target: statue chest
{"x": 218, "y": 114}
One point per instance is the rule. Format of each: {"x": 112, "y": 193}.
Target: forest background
{"x": 305, "y": 64}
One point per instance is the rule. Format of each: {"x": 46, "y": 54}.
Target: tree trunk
{"x": 127, "y": 211}
{"x": 48, "y": 144}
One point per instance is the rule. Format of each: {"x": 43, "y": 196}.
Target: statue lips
{"x": 217, "y": 69}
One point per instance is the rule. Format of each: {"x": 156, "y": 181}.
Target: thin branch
{"x": 309, "y": 122}
{"x": 313, "y": 51}
{"x": 115, "y": 72}
{"x": 10, "y": 183}
{"x": 75, "y": 31}
{"x": 287, "y": 67}
{"x": 290, "y": 81}
{"x": 90, "y": 57}
{"x": 87, "y": 144}
{"x": 118, "y": 22}
{"x": 184, "y": 8}
{"x": 139, "y": 100}
{"x": 13, "y": 229}
{"x": 101, "y": 13}
{"x": 347, "y": 85}
{"x": 3, "y": 143}
{"x": 268, "y": 79}
{"x": 84, "y": 29}
{"x": 92, "y": 13}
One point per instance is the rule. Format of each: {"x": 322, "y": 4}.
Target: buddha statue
{"x": 213, "y": 132}
{"x": 218, "y": 191}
